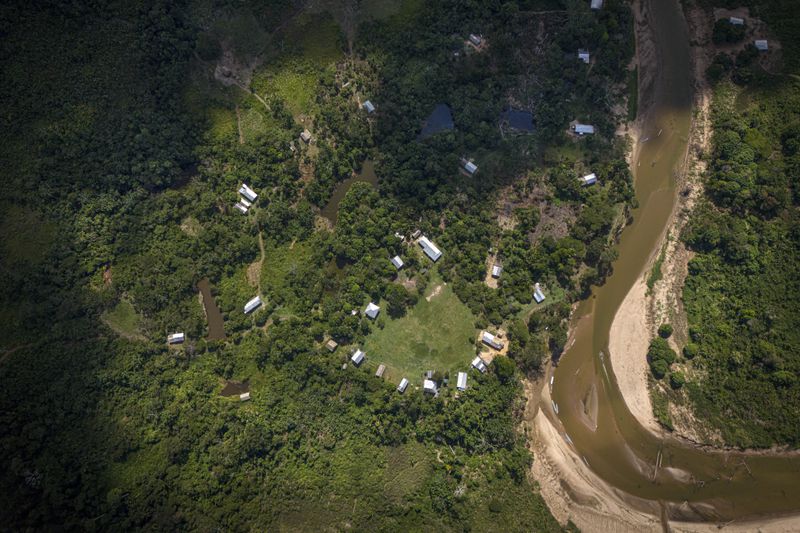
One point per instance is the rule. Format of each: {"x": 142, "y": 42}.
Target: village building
{"x": 475, "y": 39}
{"x": 538, "y": 295}
{"x": 252, "y": 305}
{"x": 583, "y": 55}
{"x": 491, "y": 341}
{"x": 372, "y": 311}
{"x": 245, "y": 396}
{"x": 479, "y": 365}
{"x": 496, "y": 271}
{"x": 354, "y": 312}
{"x": 397, "y": 262}
{"x": 430, "y": 249}
{"x": 240, "y": 207}
{"x": 175, "y": 338}
{"x": 597, "y": 4}
{"x": 358, "y": 357}
{"x": 368, "y": 107}
{"x": 305, "y": 136}
{"x": 416, "y": 233}
{"x": 247, "y": 192}
{"x": 331, "y": 345}
{"x": 736, "y": 21}
{"x": 461, "y": 384}
{"x": 762, "y": 45}
{"x": 583, "y": 129}
{"x": 469, "y": 167}
{"x": 589, "y": 179}
{"x": 429, "y": 386}
{"x": 403, "y": 385}
{"x": 380, "y": 371}
{"x": 245, "y": 202}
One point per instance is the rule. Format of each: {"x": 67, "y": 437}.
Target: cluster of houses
{"x": 761, "y": 44}
{"x": 248, "y": 196}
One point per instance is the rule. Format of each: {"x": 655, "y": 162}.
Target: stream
{"x": 691, "y": 483}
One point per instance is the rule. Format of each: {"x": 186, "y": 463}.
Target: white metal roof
{"x": 247, "y": 192}
{"x": 597, "y": 4}
{"x": 470, "y": 167}
{"x": 241, "y": 207}
{"x": 762, "y": 44}
{"x": 538, "y": 295}
{"x": 244, "y": 202}
{"x": 736, "y": 21}
{"x": 461, "y": 384}
{"x": 252, "y": 304}
{"x": 357, "y": 357}
{"x": 491, "y": 340}
{"x": 429, "y": 385}
{"x": 403, "y": 385}
{"x": 583, "y": 129}
{"x": 175, "y": 338}
{"x": 496, "y": 271}
{"x": 476, "y": 39}
{"x": 589, "y": 179}
{"x": 583, "y": 55}
{"x": 397, "y": 262}
{"x": 244, "y": 396}
{"x": 478, "y": 364}
{"x": 429, "y": 248}
{"x": 368, "y": 106}
{"x": 372, "y": 310}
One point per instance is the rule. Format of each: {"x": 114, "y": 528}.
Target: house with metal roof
{"x": 247, "y": 192}
{"x": 736, "y": 21}
{"x": 461, "y": 384}
{"x": 583, "y": 55}
{"x": 368, "y": 107}
{"x": 491, "y": 341}
{"x": 331, "y": 345}
{"x": 241, "y": 207}
{"x": 597, "y": 4}
{"x": 430, "y": 249}
{"x": 252, "y": 305}
{"x": 469, "y": 167}
{"x": 175, "y": 338}
{"x": 496, "y": 271}
{"x": 372, "y": 310}
{"x": 397, "y": 262}
{"x": 401, "y": 388}
{"x": 305, "y": 136}
{"x": 479, "y": 365}
{"x": 762, "y": 45}
{"x": 245, "y": 396}
{"x": 538, "y": 295}
{"x": 245, "y": 202}
{"x": 429, "y": 386}
{"x": 380, "y": 371}
{"x": 583, "y": 129}
{"x": 475, "y": 39}
{"x": 589, "y": 179}
{"x": 358, "y": 357}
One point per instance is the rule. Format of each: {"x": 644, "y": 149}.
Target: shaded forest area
{"x": 123, "y": 147}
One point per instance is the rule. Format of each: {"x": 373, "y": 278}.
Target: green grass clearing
{"x": 433, "y": 335}
{"x": 124, "y": 320}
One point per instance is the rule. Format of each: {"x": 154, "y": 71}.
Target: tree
{"x": 665, "y": 331}
{"x": 676, "y": 380}
{"x": 659, "y": 368}
{"x": 504, "y": 368}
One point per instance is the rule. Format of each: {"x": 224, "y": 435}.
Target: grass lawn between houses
{"x": 436, "y": 334}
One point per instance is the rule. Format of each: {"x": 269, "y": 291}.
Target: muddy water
{"x": 693, "y": 483}
{"x": 216, "y": 324}
{"x": 367, "y": 174}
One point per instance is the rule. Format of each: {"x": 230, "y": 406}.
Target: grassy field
{"x": 124, "y": 320}
{"x": 434, "y": 335}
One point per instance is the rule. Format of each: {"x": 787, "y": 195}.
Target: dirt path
{"x": 254, "y": 269}
{"x": 239, "y": 125}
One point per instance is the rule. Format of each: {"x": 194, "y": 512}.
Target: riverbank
{"x": 645, "y": 307}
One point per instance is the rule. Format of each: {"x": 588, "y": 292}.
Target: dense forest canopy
{"x": 128, "y": 129}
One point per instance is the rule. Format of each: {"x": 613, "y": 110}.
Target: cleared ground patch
{"x": 124, "y": 320}
{"x": 436, "y": 334}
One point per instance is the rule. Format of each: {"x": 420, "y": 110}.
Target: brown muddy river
{"x": 367, "y": 175}
{"x": 216, "y": 324}
{"x": 694, "y": 484}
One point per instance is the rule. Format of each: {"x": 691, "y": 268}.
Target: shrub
{"x": 660, "y": 351}
{"x": 659, "y": 368}
{"x": 690, "y": 350}
{"x": 677, "y": 380}
{"x": 665, "y": 330}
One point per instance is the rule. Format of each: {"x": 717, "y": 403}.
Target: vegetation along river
{"x": 367, "y": 174}
{"x": 693, "y": 483}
